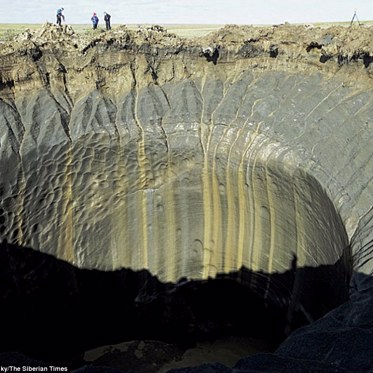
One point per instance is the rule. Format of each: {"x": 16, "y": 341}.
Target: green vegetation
{"x": 9, "y": 30}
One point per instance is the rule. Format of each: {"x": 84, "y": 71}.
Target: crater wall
{"x": 140, "y": 150}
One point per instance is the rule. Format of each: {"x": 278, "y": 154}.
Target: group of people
{"x": 94, "y": 19}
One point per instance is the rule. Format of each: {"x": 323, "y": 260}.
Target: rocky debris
{"x": 50, "y": 36}
{"x": 340, "y": 44}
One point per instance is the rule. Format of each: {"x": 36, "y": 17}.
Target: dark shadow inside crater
{"x": 52, "y": 311}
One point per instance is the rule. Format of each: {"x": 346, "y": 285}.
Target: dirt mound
{"x": 51, "y": 36}
{"x": 346, "y": 43}
{"x": 342, "y": 44}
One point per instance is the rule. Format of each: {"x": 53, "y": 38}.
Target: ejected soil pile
{"x": 345, "y": 43}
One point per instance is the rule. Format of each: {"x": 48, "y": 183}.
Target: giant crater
{"x": 178, "y": 189}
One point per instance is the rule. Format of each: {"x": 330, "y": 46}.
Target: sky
{"x": 187, "y": 11}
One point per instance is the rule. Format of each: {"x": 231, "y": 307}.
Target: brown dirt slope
{"x": 335, "y": 41}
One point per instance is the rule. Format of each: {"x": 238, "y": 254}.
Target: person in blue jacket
{"x": 94, "y": 20}
{"x": 60, "y": 16}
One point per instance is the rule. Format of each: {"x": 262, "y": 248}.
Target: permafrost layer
{"x": 150, "y": 154}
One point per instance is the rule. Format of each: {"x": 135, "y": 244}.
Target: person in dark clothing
{"x": 60, "y": 16}
{"x": 107, "y": 17}
{"x": 94, "y": 20}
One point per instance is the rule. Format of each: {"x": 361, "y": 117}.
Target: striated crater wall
{"x": 140, "y": 150}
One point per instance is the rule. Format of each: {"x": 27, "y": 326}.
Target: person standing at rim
{"x": 60, "y": 16}
{"x": 107, "y": 17}
{"x": 94, "y": 20}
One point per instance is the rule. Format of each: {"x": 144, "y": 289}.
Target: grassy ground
{"x": 8, "y": 31}
{"x": 192, "y": 30}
